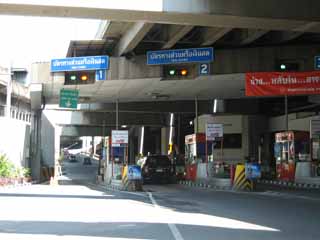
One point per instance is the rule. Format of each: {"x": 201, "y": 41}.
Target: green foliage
{"x": 7, "y": 168}
{"x": 26, "y": 172}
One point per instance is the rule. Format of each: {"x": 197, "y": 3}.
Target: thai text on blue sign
{"x": 317, "y": 62}
{"x": 79, "y": 63}
{"x": 180, "y": 56}
{"x": 253, "y": 171}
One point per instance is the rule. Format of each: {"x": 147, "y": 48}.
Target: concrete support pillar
{"x": 35, "y": 146}
{"x": 196, "y": 122}
{"x": 164, "y": 140}
{"x": 131, "y": 149}
{"x": 158, "y": 144}
{"x": 92, "y": 146}
{"x": 9, "y": 91}
{"x": 86, "y": 144}
{"x": 57, "y": 135}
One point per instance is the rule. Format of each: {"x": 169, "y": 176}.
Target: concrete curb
{"x": 111, "y": 187}
{"x": 290, "y": 184}
{"x": 18, "y": 185}
{"x": 205, "y": 185}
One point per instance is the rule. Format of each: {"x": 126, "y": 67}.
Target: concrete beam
{"x": 180, "y": 107}
{"x": 103, "y": 29}
{"x": 286, "y": 36}
{"x": 175, "y": 33}
{"x": 284, "y": 15}
{"x": 61, "y": 117}
{"x": 284, "y": 9}
{"x": 111, "y": 29}
{"x": 132, "y": 37}
{"x": 251, "y": 35}
{"x": 78, "y": 131}
{"x": 211, "y": 35}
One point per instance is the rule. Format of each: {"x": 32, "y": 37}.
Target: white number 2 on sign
{"x": 204, "y": 69}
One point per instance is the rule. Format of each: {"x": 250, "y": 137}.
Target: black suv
{"x": 156, "y": 168}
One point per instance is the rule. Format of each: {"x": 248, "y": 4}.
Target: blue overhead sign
{"x": 317, "y": 62}
{"x": 180, "y": 56}
{"x": 79, "y": 63}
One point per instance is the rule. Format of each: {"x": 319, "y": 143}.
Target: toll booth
{"x": 116, "y": 154}
{"x": 290, "y": 148}
{"x": 197, "y": 152}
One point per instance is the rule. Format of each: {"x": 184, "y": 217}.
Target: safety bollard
{"x": 241, "y": 183}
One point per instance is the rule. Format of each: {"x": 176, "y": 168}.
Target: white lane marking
{"x": 114, "y": 190}
{"x": 174, "y": 230}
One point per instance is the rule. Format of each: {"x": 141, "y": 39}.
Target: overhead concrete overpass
{"x": 247, "y": 36}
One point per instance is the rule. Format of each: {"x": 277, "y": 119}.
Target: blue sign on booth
{"x": 317, "y": 63}
{"x": 79, "y": 63}
{"x": 180, "y": 56}
{"x": 134, "y": 172}
{"x": 253, "y": 171}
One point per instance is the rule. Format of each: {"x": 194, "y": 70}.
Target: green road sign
{"x": 69, "y": 98}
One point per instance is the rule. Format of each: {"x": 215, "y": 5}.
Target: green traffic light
{"x": 283, "y": 67}
{"x": 73, "y": 77}
{"x": 172, "y": 72}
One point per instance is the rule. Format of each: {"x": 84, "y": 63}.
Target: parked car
{"x": 156, "y": 168}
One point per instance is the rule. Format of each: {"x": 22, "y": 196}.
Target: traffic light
{"x": 287, "y": 66}
{"x": 79, "y": 77}
{"x": 176, "y": 72}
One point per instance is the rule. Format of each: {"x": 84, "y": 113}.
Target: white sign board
{"x": 213, "y": 131}
{"x": 119, "y": 137}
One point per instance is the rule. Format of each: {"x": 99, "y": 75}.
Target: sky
{"x": 24, "y": 40}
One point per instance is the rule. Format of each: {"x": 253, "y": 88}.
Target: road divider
{"x": 290, "y": 184}
{"x": 204, "y": 184}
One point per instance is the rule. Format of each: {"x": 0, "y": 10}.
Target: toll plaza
{"x": 204, "y": 114}
{"x": 173, "y": 73}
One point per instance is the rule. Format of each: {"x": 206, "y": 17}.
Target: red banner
{"x": 282, "y": 83}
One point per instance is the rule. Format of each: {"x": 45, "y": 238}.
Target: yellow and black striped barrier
{"x": 125, "y": 180}
{"x": 241, "y": 183}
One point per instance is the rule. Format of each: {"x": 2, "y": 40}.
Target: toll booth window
{"x": 231, "y": 141}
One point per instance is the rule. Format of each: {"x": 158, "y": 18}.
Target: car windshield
{"x": 162, "y": 161}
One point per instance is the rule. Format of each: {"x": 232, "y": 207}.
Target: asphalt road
{"x": 86, "y": 211}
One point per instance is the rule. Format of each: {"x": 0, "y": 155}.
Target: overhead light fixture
{"x": 215, "y": 106}
{"x": 171, "y": 133}
{"x": 141, "y": 140}
{"x": 124, "y": 126}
